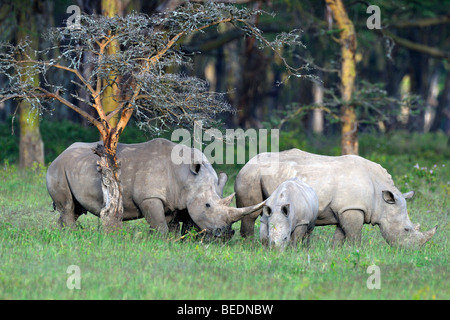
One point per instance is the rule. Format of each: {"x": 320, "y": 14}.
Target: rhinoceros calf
{"x": 153, "y": 186}
{"x": 289, "y": 214}
{"x": 352, "y": 191}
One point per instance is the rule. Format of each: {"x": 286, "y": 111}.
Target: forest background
{"x": 401, "y": 76}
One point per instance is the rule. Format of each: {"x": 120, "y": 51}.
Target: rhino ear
{"x": 388, "y": 197}
{"x": 408, "y": 195}
{"x": 195, "y": 168}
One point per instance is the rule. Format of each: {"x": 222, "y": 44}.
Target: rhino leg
{"x": 339, "y": 236}
{"x": 247, "y": 226}
{"x": 264, "y": 231}
{"x": 69, "y": 212}
{"x": 67, "y": 217}
{"x": 153, "y": 211}
{"x": 306, "y": 240}
{"x": 351, "y": 222}
{"x": 301, "y": 234}
{"x": 248, "y": 222}
{"x": 173, "y": 222}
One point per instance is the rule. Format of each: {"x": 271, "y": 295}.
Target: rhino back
{"x": 341, "y": 182}
{"x": 73, "y": 174}
{"x": 144, "y": 172}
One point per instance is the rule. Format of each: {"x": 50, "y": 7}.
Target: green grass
{"x": 133, "y": 264}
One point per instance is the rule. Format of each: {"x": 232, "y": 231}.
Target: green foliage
{"x": 372, "y": 104}
{"x": 58, "y": 135}
{"x": 9, "y": 143}
{"x": 431, "y": 146}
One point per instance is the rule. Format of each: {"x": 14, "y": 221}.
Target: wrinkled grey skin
{"x": 352, "y": 191}
{"x": 153, "y": 187}
{"x": 289, "y": 215}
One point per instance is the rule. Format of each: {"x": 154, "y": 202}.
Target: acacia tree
{"x": 144, "y": 49}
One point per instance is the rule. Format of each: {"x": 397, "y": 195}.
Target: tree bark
{"x": 349, "y": 130}
{"x": 317, "y": 114}
{"x": 442, "y": 118}
{"x": 109, "y": 168}
{"x": 419, "y": 47}
{"x": 31, "y": 147}
{"x": 112, "y": 210}
{"x": 110, "y": 96}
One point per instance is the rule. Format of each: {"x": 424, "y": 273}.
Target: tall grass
{"x": 133, "y": 264}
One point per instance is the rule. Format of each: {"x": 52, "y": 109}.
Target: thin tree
{"x": 145, "y": 46}
{"x": 25, "y": 24}
{"x": 347, "y": 41}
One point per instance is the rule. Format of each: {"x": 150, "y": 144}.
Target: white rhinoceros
{"x": 352, "y": 191}
{"x": 289, "y": 214}
{"x": 153, "y": 186}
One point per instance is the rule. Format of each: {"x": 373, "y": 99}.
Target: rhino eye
{"x": 285, "y": 210}
{"x": 207, "y": 205}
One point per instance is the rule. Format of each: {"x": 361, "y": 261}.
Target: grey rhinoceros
{"x": 352, "y": 191}
{"x": 289, "y": 214}
{"x": 153, "y": 186}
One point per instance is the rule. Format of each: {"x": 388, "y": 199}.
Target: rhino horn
{"x": 428, "y": 235}
{"x": 236, "y": 214}
{"x": 226, "y": 201}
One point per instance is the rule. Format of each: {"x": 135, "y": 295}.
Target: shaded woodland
{"x": 351, "y": 78}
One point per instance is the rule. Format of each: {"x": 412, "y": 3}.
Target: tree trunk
{"x": 31, "y": 147}
{"x": 109, "y": 168}
{"x": 111, "y": 93}
{"x": 108, "y": 165}
{"x": 442, "y": 118}
{"x": 432, "y": 102}
{"x": 418, "y": 70}
{"x": 253, "y": 76}
{"x": 112, "y": 210}
{"x": 349, "y": 131}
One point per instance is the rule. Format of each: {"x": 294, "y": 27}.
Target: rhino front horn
{"x": 428, "y": 235}
{"x": 236, "y": 214}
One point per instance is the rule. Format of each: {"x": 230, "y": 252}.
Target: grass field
{"x": 133, "y": 264}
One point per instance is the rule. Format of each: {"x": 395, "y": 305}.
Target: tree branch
{"x": 421, "y": 23}
{"x": 78, "y": 110}
{"x": 434, "y": 52}
{"x": 58, "y": 66}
